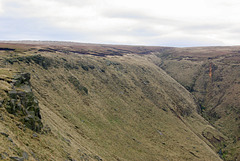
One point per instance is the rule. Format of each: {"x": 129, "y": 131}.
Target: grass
{"x": 5, "y": 76}
{"x": 128, "y": 102}
{"x": 190, "y": 67}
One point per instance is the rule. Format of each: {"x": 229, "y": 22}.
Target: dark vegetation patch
{"x": 46, "y": 62}
{"x": 108, "y": 63}
{"x": 102, "y": 51}
{"x": 7, "y": 49}
{"x": 78, "y": 85}
{"x": 38, "y": 59}
{"x": 70, "y": 66}
{"x": 83, "y": 52}
{"x": 47, "y": 50}
{"x": 190, "y": 88}
{"x": 79, "y": 64}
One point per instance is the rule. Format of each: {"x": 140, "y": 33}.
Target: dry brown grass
{"x": 219, "y": 94}
{"x": 133, "y": 110}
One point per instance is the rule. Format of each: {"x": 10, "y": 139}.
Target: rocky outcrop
{"x": 42, "y": 61}
{"x": 23, "y": 104}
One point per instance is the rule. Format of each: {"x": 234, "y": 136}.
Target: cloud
{"x": 1, "y": 8}
{"x": 146, "y": 22}
{"x": 34, "y": 29}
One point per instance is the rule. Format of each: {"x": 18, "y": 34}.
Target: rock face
{"x": 23, "y": 104}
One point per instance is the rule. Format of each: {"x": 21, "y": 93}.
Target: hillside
{"x": 212, "y": 75}
{"x": 105, "y": 102}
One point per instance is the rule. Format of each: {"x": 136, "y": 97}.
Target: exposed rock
{"x": 7, "y": 136}
{"x": 35, "y": 135}
{"x": 220, "y": 153}
{"x": 46, "y": 130}
{"x": 34, "y": 156}
{"x": 3, "y": 155}
{"x": 16, "y": 158}
{"x": 33, "y": 122}
{"x": 23, "y": 104}
{"x": 67, "y": 141}
{"x": 10, "y": 139}
{"x": 1, "y": 117}
{"x": 4, "y": 134}
{"x": 21, "y": 126}
{"x": 69, "y": 158}
{"x": 101, "y": 70}
{"x": 25, "y": 155}
{"x": 98, "y": 158}
{"x": 84, "y": 156}
{"x": 159, "y": 132}
{"x": 21, "y": 79}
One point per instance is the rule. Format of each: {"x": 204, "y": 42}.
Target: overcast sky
{"x": 135, "y": 22}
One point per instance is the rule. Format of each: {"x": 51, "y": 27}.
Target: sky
{"x": 178, "y": 23}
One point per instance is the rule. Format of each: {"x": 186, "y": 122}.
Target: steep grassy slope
{"x": 104, "y": 107}
{"x": 212, "y": 75}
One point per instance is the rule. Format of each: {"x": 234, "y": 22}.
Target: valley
{"x": 113, "y": 102}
